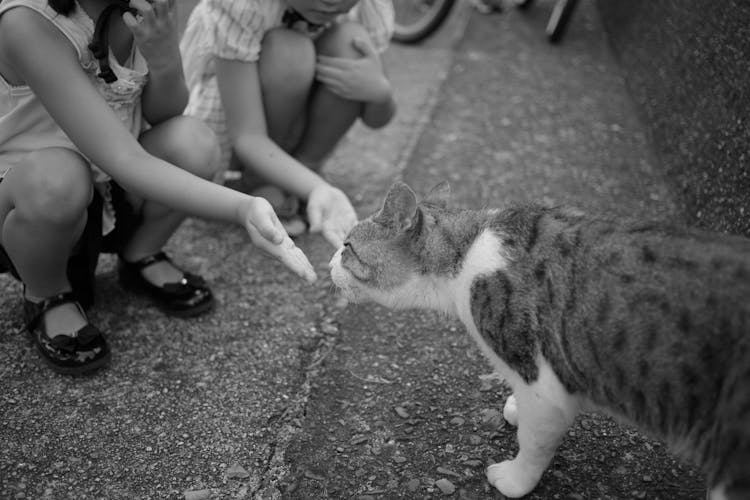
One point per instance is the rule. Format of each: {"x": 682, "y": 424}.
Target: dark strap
{"x": 49, "y": 303}
{"x": 147, "y": 261}
{"x": 99, "y": 45}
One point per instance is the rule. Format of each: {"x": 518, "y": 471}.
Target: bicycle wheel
{"x": 522, "y": 4}
{"x": 559, "y": 19}
{"x": 418, "y": 19}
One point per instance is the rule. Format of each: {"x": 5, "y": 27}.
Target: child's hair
{"x": 64, "y": 7}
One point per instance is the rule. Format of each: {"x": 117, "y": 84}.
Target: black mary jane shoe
{"x": 186, "y": 298}
{"x": 83, "y": 351}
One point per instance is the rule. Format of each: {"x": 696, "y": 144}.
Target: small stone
{"x": 198, "y": 495}
{"x": 329, "y": 329}
{"x": 412, "y": 485}
{"x": 492, "y": 419}
{"x": 401, "y": 412}
{"x": 399, "y": 459}
{"x": 475, "y": 439}
{"x": 359, "y": 440}
{"x": 647, "y": 478}
{"x": 457, "y": 421}
{"x": 445, "y": 486}
{"x": 473, "y": 463}
{"x": 448, "y": 472}
{"x": 236, "y": 471}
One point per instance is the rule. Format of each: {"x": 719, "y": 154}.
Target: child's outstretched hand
{"x": 267, "y": 233}
{"x": 361, "y": 79}
{"x": 330, "y": 213}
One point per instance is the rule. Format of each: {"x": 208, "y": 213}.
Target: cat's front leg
{"x": 545, "y": 412}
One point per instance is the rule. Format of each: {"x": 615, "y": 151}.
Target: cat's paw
{"x": 511, "y": 479}
{"x": 510, "y": 411}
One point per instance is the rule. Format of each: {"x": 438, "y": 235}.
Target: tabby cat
{"x": 646, "y": 322}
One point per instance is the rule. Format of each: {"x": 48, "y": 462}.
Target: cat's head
{"x": 394, "y": 256}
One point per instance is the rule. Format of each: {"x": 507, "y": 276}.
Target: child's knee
{"x": 55, "y": 186}
{"x": 337, "y": 41}
{"x": 286, "y": 57}
{"x": 201, "y": 149}
{"x": 191, "y": 145}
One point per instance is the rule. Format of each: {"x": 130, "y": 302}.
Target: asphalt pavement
{"x": 286, "y": 391}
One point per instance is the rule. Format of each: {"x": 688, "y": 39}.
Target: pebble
{"x": 401, "y": 412}
{"x": 448, "y": 472}
{"x": 445, "y": 486}
{"x": 475, "y": 439}
{"x": 236, "y": 471}
{"x": 198, "y": 495}
{"x": 412, "y": 485}
{"x": 359, "y": 440}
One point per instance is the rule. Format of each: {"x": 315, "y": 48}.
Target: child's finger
{"x": 315, "y": 217}
{"x": 340, "y": 63}
{"x": 363, "y": 47}
{"x": 261, "y": 217}
{"x": 286, "y": 252}
{"x": 326, "y": 71}
{"x": 333, "y": 236}
{"x": 131, "y": 22}
{"x": 270, "y": 228}
{"x": 142, "y": 6}
{"x": 296, "y": 260}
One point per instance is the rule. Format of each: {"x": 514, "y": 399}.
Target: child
{"x": 71, "y": 119}
{"x": 280, "y": 82}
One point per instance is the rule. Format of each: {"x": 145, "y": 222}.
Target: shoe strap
{"x": 148, "y": 260}
{"x": 40, "y": 308}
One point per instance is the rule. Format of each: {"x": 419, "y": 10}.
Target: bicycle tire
{"x": 427, "y": 22}
{"x": 559, "y": 20}
{"x": 522, "y": 4}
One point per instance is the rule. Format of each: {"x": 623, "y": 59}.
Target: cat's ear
{"x": 399, "y": 208}
{"x": 439, "y": 195}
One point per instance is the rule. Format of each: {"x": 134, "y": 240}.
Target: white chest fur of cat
{"x": 518, "y": 281}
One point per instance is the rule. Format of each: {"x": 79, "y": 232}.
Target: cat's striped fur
{"x": 645, "y": 321}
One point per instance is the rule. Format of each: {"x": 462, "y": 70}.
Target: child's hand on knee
{"x": 330, "y": 213}
{"x": 357, "y": 79}
{"x": 267, "y": 233}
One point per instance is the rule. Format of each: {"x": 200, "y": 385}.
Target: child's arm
{"x": 46, "y": 61}
{"x": 155, "y": 32}
{"x": 361, "y": 79}
{"x": 328, "y": 207}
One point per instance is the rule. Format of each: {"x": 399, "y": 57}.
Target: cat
{"x": 647, "y": 322}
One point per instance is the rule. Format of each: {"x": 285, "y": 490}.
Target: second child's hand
{"x": 154, "y": 28}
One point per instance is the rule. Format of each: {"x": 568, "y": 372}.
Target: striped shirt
{"x": 234, "y": 30}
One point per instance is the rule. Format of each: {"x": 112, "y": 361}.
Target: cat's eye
{"x": 349, "y": 249}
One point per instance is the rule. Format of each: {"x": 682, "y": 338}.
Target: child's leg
{"x": 329, "y": 116}
{"x": 287, "y": 72}
{"x": 43, "y": 202}
{"x": 189, "y": 144}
